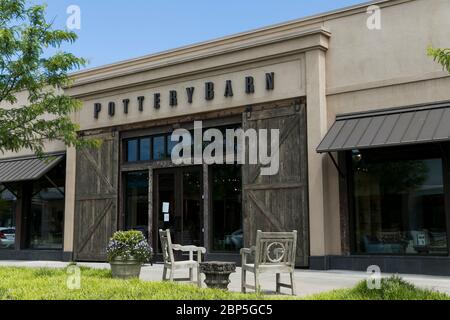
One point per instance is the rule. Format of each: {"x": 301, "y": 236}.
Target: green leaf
{"x": 441, "y": 56}
{"x": 25, "y": 35}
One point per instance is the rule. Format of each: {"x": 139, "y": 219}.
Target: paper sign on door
{"x": 165, "y": 210}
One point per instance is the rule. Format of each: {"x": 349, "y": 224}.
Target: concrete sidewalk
{"x": 307, "y": 281}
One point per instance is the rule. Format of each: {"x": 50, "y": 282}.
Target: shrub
{"x": 129, "y": 244}
{"x": 393, "y": 288}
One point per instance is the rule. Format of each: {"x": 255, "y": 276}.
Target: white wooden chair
{"x": 275, "y": 253}
{"x": 169, "y": 261}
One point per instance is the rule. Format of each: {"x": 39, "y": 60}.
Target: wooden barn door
{"x": 279, "y": 202}
{"x": 96, "y": 198}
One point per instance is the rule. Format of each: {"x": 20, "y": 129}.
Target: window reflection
{"x": 170, "y": 145}
{"x": 144, "y": 153}
{"x": 192, "y": 208}
{"x": 399, "y": 205}
{"x": 46, "y": 216}
{"x": 136, "y": 201}
{"x": 159, "y": 151}
{"x": 227, "y": 208}
{"x": 132, "y": 148}
{"x": 8, "y": 203}
{"x": 157, "y": 148}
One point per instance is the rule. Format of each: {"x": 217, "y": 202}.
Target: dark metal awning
{"x": 413, "y": 125}
{"x": 24, "y": 169}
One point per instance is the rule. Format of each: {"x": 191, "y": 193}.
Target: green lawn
{"x": 50, "y": 284}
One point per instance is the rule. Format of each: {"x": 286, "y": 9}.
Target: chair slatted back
{"x": 276, "y": 248}
{"x": 166, "y": 246}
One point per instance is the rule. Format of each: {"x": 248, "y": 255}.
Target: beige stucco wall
{"x": 359, "y": 57}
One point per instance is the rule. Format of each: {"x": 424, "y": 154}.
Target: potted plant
{"x": 127, "y": 252}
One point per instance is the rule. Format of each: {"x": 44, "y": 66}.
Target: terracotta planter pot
{"x": 125, "y": 268}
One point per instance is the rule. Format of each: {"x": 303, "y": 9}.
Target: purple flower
{"x": 129, "y": 244}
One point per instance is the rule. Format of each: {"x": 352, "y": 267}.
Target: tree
{"x": 26, "y": 39}
{"x": 441, "y": 55}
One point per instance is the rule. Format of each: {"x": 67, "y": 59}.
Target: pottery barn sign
{"x": 210, "y": 91}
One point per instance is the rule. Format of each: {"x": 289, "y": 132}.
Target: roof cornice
{"x": 164, "y": 60}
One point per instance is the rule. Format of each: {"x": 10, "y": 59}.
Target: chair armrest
{"x": 178, "y": 247}
{"x": 247, "y": 251}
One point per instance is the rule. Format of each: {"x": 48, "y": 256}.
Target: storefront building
{"x": 363, "y": 118}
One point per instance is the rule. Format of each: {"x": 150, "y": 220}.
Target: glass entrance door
{"x": 168, "y": 216}
{"x": 179, "y": 205}
{"x": 136, "y": 201}
{"x": 192, "y": 208}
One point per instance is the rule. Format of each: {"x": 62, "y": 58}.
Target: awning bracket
{"x": 341, "y": 174}
{"x": 54, "y": 185}
{"x": 10, "y": 190}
